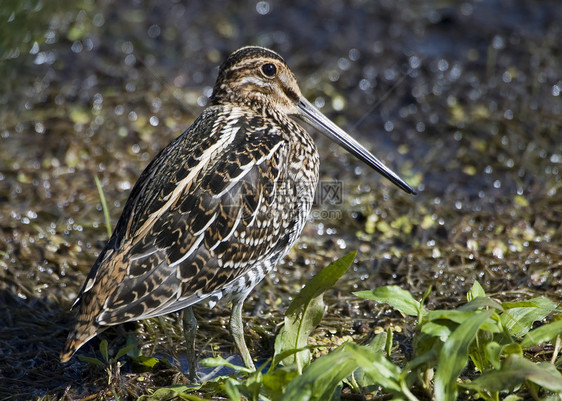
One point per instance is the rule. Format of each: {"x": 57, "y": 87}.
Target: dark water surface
{"x": 461, "y": 98}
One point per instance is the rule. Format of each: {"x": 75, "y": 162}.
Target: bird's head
{"x": 260, "y": 79}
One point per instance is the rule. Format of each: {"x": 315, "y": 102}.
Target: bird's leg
{"x": 237, "y": 331}
{"x": 189, "y": 331}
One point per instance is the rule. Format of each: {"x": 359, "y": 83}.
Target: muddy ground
{"x": 461, "y": 98}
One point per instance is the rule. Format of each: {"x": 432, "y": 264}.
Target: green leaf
{"x": 91, "y": 361}
{"x": 253, "y": 384}
{"x": 389, "y": 338}
{"x": 132, "y": 339}
{"x": 336, "y": 395}
{"x": 171, "y": 393}
{"x": 220, "y": 361}
{"x": 515, "y": 371}
{"x": 381, "y": 371}
{"x": 424, "y": 343}
{"x": 454, "y": 356}
{"x": 493, "y": 353}
{"x": 279, "y": 357}
{"x": 276, "y": 382}
{"x": 531, "y": 303}
{"x": 231, "y": 389}
{"x": 321, "y": 377}
{"x": 379, "y": 342}
{"x": 146, "y": 361}
{"x": 542, "y": 334}
{"x": 394, "y": 296}
{"x": 459, "y": 316}
{"x": 513, "y": 348}
{"x": 306, "y": 311}
{"x": 103, "y": 205}
{"x": 440, "y": 330}
{"x": 322, "y": 281}
{"x": 520, "y": 316}
{"x": 104, "y": 351}
{"x": 124, "y": 350}
{"x": 475, "y": 291}
{"x": 427, "y": 359}
{"x": 481, "y": 303}
{"x": 455, "y": 315}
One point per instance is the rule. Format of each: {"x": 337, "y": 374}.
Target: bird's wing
{"x": 204, "y": 211}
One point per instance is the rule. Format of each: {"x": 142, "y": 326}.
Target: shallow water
{"x": 462, "y": 99}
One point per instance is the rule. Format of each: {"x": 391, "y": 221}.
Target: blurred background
{"x": 461, "y": 98}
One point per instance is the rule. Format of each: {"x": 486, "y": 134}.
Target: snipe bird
{"x": 216, "y": 209}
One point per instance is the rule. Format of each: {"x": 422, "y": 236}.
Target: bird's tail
{"x": 80, "y": 335}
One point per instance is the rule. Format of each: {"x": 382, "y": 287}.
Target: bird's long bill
{"x": 313, "y": 116}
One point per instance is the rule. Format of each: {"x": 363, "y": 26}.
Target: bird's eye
{"x": 269, "y": 70}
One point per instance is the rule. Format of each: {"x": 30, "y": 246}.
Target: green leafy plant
{"x": 171, "y": 393}
{"x": 492, "y": 335}
{"x": 292, "y": 352}
{"x": 305, "y": 313}
{"x": 112, "y": 365}
{"x": 489, "y": 333}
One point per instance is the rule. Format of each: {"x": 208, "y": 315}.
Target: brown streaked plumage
{"x": 216, "y": 209}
